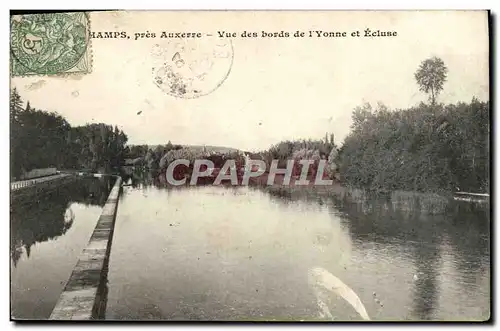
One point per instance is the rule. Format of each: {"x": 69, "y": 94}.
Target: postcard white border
{"x": 193, "y": 4}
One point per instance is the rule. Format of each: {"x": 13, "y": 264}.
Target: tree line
{"x": 154, "y": 160}
{"x": 304, "y": 149}
{"x": 41, "y": 139}
{"x": 428, "y": 147}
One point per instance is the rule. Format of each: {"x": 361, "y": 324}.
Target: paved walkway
{"x": 14, "y": 186}
{"x": 84, "y": 295}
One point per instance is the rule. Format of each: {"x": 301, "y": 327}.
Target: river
{"x": 48, "y": 233}
{"x": 241, "y": 253}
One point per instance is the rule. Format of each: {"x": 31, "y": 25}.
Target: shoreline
{"x": 85, "y": 293}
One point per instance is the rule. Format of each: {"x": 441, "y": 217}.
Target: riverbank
{"x": 84, "y": 296}
{"x": 430, "y": 203}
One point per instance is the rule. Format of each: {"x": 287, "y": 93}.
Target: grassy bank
{"x": 401, "y": 201}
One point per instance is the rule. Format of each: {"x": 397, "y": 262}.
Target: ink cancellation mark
{"x": 191, "y": 68}
{"x": 50, "y": 44}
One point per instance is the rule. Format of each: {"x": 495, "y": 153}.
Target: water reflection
{"x": 467, "y": 231}
{"x": 460, "y": 236}
{"x": 250, "y": 250}
{"x": 135, "y": 177}
{"x": 49, "y": 216}
{"x": 215, "y": 253}
{"x": 426, "y": 290}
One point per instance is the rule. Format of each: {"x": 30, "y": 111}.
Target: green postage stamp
{"x": 50, "y": 44}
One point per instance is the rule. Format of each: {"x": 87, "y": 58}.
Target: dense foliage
{"x": 145, "y": 154}
{"x": 41, "y": 139}
{"x": 303, "y": 149}
{"x": 284, "y": 150}
{"x": 423, "y": 148}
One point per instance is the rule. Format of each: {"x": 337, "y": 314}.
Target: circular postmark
{"x": 49, "y": 43}
{"x": 191, "y": 68}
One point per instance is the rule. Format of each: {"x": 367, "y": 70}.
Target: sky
{"x": 277, "y": 88}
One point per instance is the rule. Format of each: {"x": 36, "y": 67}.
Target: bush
{"x": 424, "y": 148}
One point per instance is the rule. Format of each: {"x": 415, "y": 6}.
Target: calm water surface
{"x": 48, "y": 233}
{"x": 214, "y": 253}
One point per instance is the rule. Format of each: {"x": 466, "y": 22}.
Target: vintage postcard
{"x": 250, "y": 166}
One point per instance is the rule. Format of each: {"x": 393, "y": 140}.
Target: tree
{"x": 430, "y": 76}
{"x": 16, "y": 134}
{"x": 169, "y": 147}
{"x": 16, "y": 102}
{"x": 41, "y": 139}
